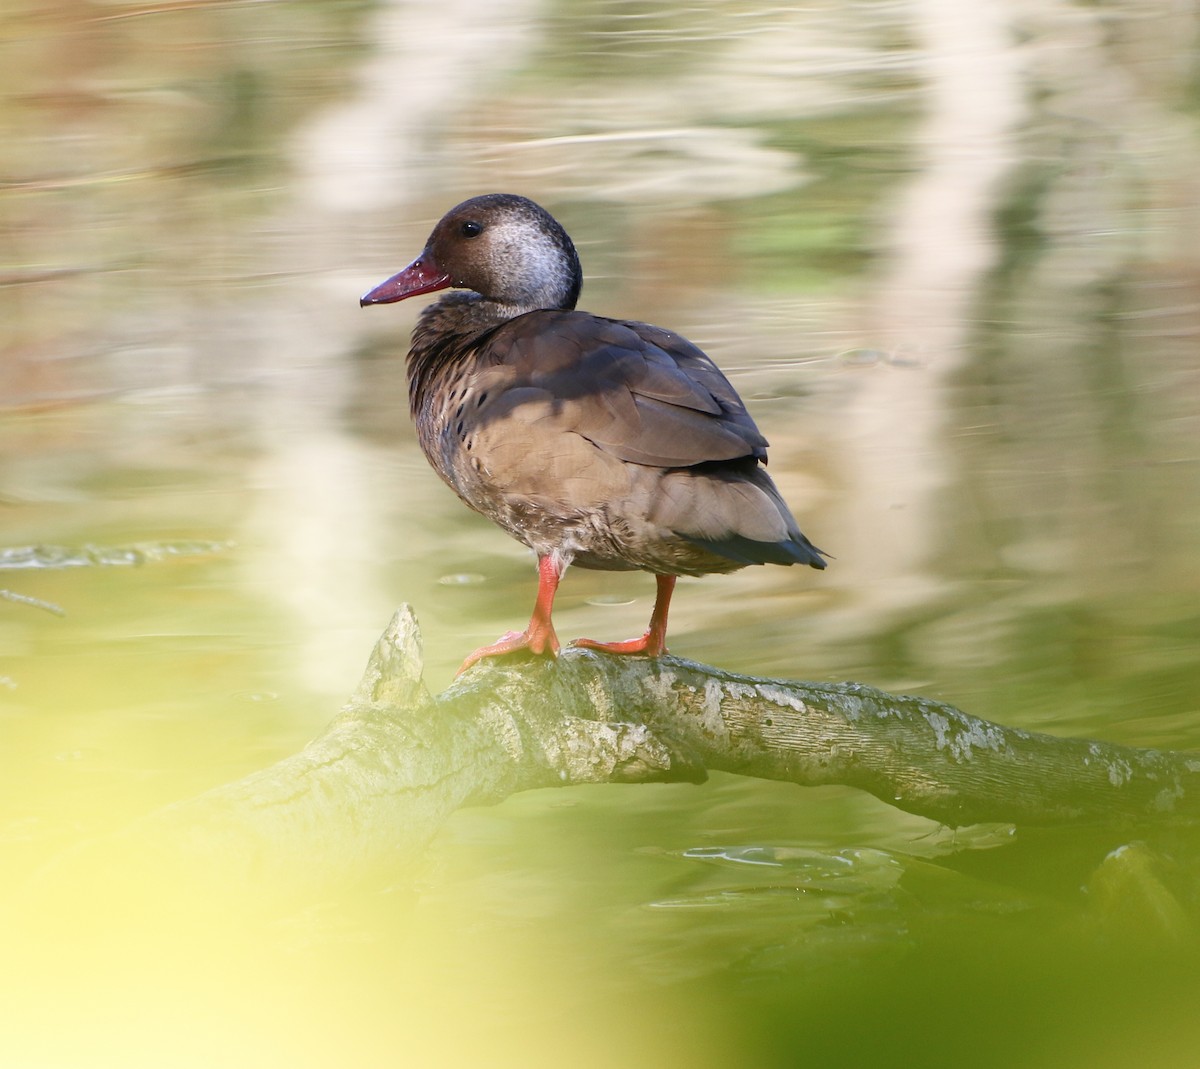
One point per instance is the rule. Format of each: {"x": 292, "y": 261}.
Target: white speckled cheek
{"x": 531, "y": 261}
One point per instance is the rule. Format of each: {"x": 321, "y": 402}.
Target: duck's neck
{"x": 459, "y": 313}
{"x": 445, "y": 340}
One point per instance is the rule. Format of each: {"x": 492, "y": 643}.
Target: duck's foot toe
{"x": 537, "y": 640}
{"x": 649, "y": 645}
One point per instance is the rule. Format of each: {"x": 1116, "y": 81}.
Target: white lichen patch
{"x": 710, "y": 708}
{"x": 1120, "y": 772}
{"x": 941, "y": 730}
{"x": 660, "y": 688}
{"x": 599, "y": 698}
{"x": 1165, "y": 800}
{"x": 707, "y": 706}
{"x": 963, "y": 738}
{"x": 857, "y": 701}
{"x": 506, "y": 731}
{"x": 779, "y": 696}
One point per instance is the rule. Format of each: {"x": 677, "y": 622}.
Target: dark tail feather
{"x": 797, "y": 550}
{"x": 731, "y": 501}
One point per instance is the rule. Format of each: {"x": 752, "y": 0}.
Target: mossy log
{"x": 397, "y": 761}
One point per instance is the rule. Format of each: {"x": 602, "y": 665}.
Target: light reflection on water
{"x": 953, "y": 275}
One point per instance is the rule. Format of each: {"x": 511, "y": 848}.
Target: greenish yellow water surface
{"x": 946, "y": 252}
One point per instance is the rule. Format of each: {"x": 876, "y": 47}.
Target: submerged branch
{"x": 396, "y": 762}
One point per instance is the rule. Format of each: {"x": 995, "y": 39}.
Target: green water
{"x": 947, "y": 254}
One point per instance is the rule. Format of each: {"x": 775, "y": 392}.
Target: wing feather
{"x": 641, "y": 394}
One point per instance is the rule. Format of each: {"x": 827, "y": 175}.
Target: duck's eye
{"x": 471, "y": 229}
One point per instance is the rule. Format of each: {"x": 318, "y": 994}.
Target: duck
{"x": 599, "y": 442}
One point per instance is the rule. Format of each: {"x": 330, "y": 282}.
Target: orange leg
{"x": 654, "y": 642}
{"x": 539, "y": 636}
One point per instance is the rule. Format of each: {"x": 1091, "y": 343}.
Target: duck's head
{"x": 507, "y": 249}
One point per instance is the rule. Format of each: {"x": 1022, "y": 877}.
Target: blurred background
{"x": 945, "y": 249}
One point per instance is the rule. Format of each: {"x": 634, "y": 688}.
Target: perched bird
{"x": 601, "y": 442}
